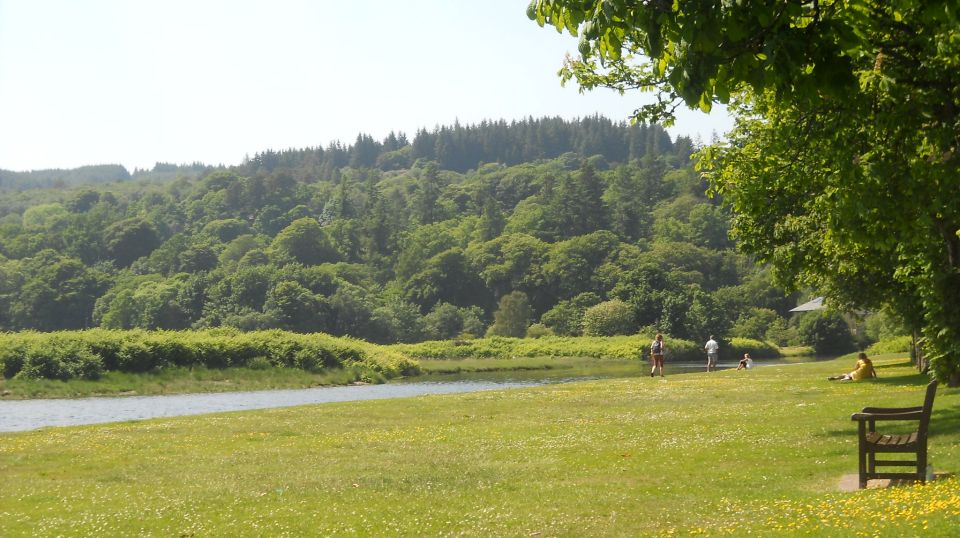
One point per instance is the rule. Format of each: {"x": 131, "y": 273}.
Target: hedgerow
{"x": 87, "y": 354}
{"x": 900, "y": 344}
{"x": 756, "y": 349}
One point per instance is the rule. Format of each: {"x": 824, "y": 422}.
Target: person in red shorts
{"x": 656, "y": 354}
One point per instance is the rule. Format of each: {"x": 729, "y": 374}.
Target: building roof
{"x": 816, "y": 304}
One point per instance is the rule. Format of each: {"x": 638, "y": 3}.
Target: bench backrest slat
{"x": 927, "y": 409}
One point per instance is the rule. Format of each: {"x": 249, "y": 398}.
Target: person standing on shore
{"x": 656, "y": 354}
{"x": 713, "y": 352}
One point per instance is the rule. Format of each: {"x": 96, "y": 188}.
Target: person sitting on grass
{"x": 745, "y": 362}
{"x": 863, "y": 370}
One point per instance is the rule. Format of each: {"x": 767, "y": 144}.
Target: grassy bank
{"x": 180, "y": 380}
{"x": 600, "y": 347}
{"x": 726, "y": 453}
{"x": 89, "y": 354}
{"x": 101, "y": 361}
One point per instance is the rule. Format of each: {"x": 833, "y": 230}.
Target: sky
{"x": 211, "y": 81}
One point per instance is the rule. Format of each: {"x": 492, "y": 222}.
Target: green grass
{"x": 177, "y": 381}
{"x": 726, "y": 453}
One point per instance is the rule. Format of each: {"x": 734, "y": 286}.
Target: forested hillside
{"x": 572, "y": 226}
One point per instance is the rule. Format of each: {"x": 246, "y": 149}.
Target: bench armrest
{"x": 891, "y": 409}
{"x": 909, "y": 415}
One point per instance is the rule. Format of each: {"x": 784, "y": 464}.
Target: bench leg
{"x": 922, "y": 465}
{"x": 863, "y": 468}
{"x": 862, "y": 456}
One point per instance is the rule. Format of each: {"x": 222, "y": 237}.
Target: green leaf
{"x": 705, "y": 103}
{"x": 532, "y": 10}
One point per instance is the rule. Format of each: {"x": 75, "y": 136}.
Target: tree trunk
{"x": 917, "y": 355}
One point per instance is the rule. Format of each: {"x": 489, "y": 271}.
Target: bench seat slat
{"x": 892, "y": 441}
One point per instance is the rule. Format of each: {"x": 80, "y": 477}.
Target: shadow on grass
{"x": 942, "y": 419}
{"x": 893, "y": 365}
{"x": 943, "y": 423}
{"x": 918, "y": 379}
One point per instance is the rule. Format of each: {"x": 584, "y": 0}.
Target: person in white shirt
{"x": 713, "y": 352}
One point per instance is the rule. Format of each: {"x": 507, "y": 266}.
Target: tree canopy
{"x": 413, "y": 252}
{"x": 842, "y": 169}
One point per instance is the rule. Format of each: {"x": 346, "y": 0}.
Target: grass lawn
{"x": 726, "y": 453}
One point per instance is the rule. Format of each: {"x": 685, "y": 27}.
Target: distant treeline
{"x": 95, "y": 175}
{"x": 57, "y": 178}
{"x": 460, "y": 148}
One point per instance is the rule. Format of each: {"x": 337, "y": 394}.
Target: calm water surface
{"x": 23, "y": 415}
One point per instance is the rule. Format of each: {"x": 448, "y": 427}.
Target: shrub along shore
{"x": 89, "y": 354}
{"x": 722, "y": 454}
{"x": 111, "y": 362}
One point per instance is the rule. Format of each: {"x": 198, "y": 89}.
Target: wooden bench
{"x": 873, "y": 442}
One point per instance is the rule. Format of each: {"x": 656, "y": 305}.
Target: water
{"x": 24, "y": 415}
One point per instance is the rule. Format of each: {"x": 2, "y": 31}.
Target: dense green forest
{"x": 543, "y": 225}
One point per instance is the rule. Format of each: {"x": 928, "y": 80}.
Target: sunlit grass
{"x": 727, "y": 453}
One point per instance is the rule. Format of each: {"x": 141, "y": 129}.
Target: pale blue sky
{"x": 136, "y": 82}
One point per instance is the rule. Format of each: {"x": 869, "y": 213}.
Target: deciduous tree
{"x": 843, "y": 168}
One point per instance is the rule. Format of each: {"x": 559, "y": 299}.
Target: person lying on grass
{"x": 863, "y": 370}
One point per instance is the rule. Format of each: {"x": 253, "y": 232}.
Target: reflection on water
{"x": 22, "y": 415}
